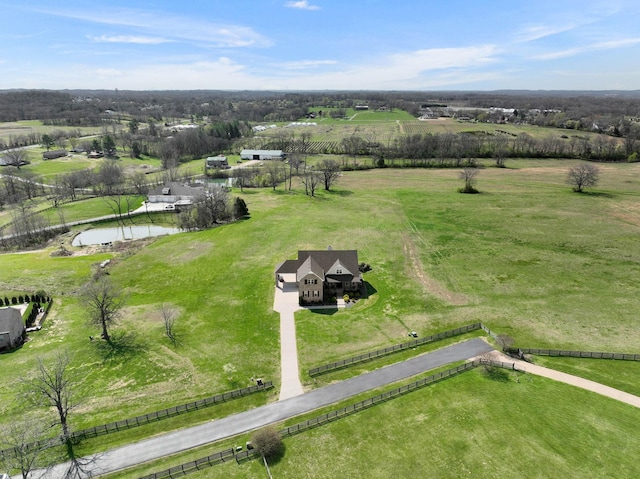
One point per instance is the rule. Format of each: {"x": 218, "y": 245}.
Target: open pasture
{"x": 26, "y": 127}
{"x": 527, "y": 257}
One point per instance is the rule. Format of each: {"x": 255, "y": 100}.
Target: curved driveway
{"x": 171, "y": 443}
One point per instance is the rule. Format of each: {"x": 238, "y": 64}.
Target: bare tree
{"x": 330, "y": 172}
{"x": 16, "y": 157}
{"x": 52, "y": 386}
{"x": 104, "y": 303}
{"x": 469, "y": 176}
{"x": 169, "y": 316}
{"x": 25, "y": 439}
{"x": 274, "y": 173}
{"x": 296, "y": 161}
{"x": 28, "y": 184}
{"x": 486, "y": 360}
{"x": 310, "y": 179}
{"x": 139, "y": 183}
{"x": 168, "y": 155}
{"x": 505, "y": 341}
{"x": 583, "y": 175}
{"x": 243, "y": 176}
{"x": 110, "y": 176}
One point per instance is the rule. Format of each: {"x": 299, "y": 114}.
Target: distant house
{"x": 216, "y": 162}
{"x": 322, "y": 274}
{"x": 361, "y": 107}
{"x": 12, "y": 329}
{"x": 51, "y": 155}
{"x": 262, "y": 155}
{"x": 95, "y": 154}
{"x": 176, "y": 193}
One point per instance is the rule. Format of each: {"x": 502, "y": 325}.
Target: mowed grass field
{"x": 473, "y": 425}
{"x": 527, "y": 257}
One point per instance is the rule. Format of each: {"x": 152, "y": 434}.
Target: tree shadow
{"x": 324, "y": 311}
{"x": 275, "y": 458}
{"x": 79, "y": 467}
{"x": 497, "y": 374}
{"x": 597, "y": 194}
{"x": 341, "y": 192}
{"x": 120, "y": 344}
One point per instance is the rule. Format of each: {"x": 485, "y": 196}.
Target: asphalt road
{"x": 171, "y": 443}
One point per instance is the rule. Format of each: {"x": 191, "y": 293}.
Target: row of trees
{"x": 325, "y": 173}
{"x": 476, "y": 144}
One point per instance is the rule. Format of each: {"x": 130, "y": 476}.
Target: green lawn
{"x": 473, "y": 425}
{"x": 527, "y": 257}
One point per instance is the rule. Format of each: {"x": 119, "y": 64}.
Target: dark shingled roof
{"x": 323, "y": 263}
{"x": 9, "y": 316}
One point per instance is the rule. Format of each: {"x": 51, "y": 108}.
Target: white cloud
{"x": 569, "y": 52}
{"x": 171, "y": 27}
{"x": 129, "y": 39}
{"x": 536, "y": 32}
{"x": 109, "y": 73}
{"x": 304, "y": 64}
{"x": 302, "y": 5}
{"x": 411, "y": 70}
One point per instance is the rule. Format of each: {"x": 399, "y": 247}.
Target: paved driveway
{"x": 171, "y": 443}
{"x": 286, "y": 303}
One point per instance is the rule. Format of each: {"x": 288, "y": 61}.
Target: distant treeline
{"x": 582, "y": 110}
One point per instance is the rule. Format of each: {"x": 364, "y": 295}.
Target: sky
{"x": 320, "y": 44}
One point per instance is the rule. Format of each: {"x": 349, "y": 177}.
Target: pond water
{"x": 107, "y": 235}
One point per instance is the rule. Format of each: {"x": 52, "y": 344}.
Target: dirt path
{"x": 569, "y": 379}
{"x": 430, "y": 285}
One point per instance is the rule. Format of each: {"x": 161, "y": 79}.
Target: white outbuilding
{"x": 263, "y": 155}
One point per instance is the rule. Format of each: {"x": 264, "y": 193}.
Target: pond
{"x": 108, "y": 235}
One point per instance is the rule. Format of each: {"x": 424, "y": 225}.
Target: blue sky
{"x": 320, "y": 44}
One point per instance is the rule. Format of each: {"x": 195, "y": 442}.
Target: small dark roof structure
{"x": 50, "y": 155}
{"x": 174, "y": 188}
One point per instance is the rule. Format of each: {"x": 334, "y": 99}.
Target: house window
{"x": 339, "y": 271}
{"x": 316, "y": 293}
{"x": 315, "y": 281}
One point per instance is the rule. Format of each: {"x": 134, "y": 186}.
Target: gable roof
{"x": 328, "y": 265}
{"x": 328, "y": 260}
{"x": 309, "y": 266}
{"x": 9, "y": 316}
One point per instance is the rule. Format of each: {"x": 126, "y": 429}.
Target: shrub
{"x": 14, "y": 300}
{"x": 20, "y": 299}
{"x": 268, "y": 442}
{"x": 346, "y": 298}
{"x": 364, "y": 267}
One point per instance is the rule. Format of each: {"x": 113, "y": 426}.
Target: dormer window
{"x": 339, "y": 271}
